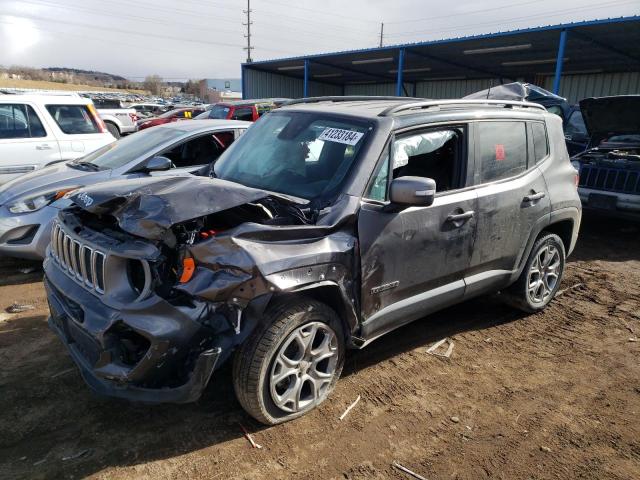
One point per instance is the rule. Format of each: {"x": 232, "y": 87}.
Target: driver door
{"x": 413, "y": 259}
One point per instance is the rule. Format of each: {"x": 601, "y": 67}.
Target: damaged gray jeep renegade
{"x": 329, "y": 223}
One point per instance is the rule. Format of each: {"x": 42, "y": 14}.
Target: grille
{"x": 81, "y": 262}
{"x": 610, "y": 179}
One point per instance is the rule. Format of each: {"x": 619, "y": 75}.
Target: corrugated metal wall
{"x": 577, "y": 87}
{"x": 573, "y": 87}
{"x": 264, "y": 85}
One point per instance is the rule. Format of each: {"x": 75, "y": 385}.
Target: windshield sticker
{"x": 500, "y": 154}
{"x": 339, "y": 135}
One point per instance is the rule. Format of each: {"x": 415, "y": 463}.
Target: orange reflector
{"x": 188, "y": 267}
{"x": 61, "y": 193}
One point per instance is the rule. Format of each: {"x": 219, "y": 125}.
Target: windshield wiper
{"x": 85, "y": 166}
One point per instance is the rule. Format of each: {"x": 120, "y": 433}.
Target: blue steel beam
{"x": 560, "y": 60}
{"x": 305, "y": 89}
{"x": 400, "y": 79}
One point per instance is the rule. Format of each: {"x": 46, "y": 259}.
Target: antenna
{"x": 489, "y": 90}
{"x": 381, "y": 33}
{"x": 248, "y": 48}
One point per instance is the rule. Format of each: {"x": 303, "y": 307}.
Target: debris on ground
{"x": 80, "y": 454}
{"x": 349, "y": 408}
{"x": 19, "y": 308}
{"x": 28, "y": 270}
{"x": 250, "y": 438}
{"x": 40, "y": 462}
{"x": 432, "y": 349}
{"x": 4, "y": 317}
{"x": 633, "y": 339}
{"x": 64, "y": 372}
{"x": 564, "y": 290}
{"x": 545, "y": 449}
{"x": 406, "y": 470}
{"x": 455, "y": 419}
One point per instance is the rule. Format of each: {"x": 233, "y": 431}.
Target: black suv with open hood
{"x": 610, "y": 167}
{"x": 330, "y": 222}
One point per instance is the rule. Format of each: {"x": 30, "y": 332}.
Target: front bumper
{"x": 26, "y": 235}
{"x": 614, "y": 204}
{"x": 174, "y": 363}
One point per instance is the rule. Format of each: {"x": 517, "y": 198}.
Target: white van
{"x": 37, "y": 130}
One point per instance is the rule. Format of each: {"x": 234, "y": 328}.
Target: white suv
{"x": 37, "y": 130}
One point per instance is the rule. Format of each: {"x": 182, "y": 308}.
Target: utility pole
{"x": 381, "y": 32}
{"x": 248, "y": 48}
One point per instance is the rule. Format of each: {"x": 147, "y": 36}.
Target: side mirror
{"x": 158, "y": 164}
{"x": 413, "y": 191}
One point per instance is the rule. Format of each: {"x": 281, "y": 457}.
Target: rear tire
{"x": 540, "y": 279}
{"x": 113, "y": 130}
{"x": 291, "y": 363}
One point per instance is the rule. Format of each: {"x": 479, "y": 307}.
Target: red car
{"x": 247, "y": 110}
{"x": 175, "y": 115}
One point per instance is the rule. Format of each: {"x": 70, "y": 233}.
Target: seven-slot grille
{"x": 81, "y": 262}
{"x": 610, "y": 179}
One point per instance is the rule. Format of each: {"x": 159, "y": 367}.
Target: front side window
{"x": 540, "y": 143}
{"x": 306, "y": 155}
{"x": 20, "y": 121}
{"x": 217, "y": 112}
{"x": 576, "y": 126}
{"x": 503, "y": 150}
{"x": 436, "y": 154}
{"x": 73, "y": 119}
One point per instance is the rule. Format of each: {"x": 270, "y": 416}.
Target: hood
{"x": 608, "y": 116}
{"x": 47, "y": 179}
{"x": 521, "y": 92}
{"x": 147, "y": 207}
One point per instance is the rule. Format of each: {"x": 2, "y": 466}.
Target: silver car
{"x": 29, "y": 203}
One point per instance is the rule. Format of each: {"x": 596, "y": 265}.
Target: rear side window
{"x": 243, "y": 114}
{"x": 73, "y": 119}
{"x": 540, "y": 144}
{"x": 503, "y": 150}
{"x": 576, "y": 125}
{"x": 20, "y": 121}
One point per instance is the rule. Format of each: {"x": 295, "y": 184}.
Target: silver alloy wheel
{"x": 304, "y": 367}
{"x": 543, "y": 274}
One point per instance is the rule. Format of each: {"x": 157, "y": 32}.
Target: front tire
{"x": 291, "y": 364}
{"x": 540, "y": 279}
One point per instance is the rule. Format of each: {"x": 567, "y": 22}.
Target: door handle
{"x": 533, "y": 197}
{"x": 44, "y": 146}
{"x": 460, "y": 217}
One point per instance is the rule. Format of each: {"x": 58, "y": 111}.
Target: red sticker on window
{"x": 500, "y": 156}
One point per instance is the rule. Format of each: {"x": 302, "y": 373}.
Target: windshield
{"x": 218, "y": 111}
{"x": 301, "y": 154}
{"x": 626, "y": 138}
{"x": 120, "y": 153}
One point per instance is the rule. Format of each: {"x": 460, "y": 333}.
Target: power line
{"x": 526, "y": 17}
{"x": 320, "y": 12}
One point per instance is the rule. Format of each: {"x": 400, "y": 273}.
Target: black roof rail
{"x": 350, "y": 98}
{"x": 453, "y": 103}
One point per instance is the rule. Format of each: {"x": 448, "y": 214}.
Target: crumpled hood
{"x": 607, "y": 116}
{"x": 147, "y": 207}
{"x": 45, "y": 179}
{"x": 520, "y": 92}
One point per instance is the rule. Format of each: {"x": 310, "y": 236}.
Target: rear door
{"x": 512, "y": 198}
{"x": 413, "y": 259}
{"x": 25, "y": 142}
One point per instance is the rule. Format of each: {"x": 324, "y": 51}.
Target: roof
{"x": 71, "y": 99}
{"x": 238, "y": 103}
{"x": 197, "y": 125}
{"x": 371, "y": 107}
{"x": 608, "y": 45}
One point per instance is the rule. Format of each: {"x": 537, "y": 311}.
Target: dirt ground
{"x": 551, "y": 395}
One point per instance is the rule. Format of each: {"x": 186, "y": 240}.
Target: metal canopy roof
{"x": 610, "y": 45}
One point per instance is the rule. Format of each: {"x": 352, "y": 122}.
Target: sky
{"x": 181, "y": 39}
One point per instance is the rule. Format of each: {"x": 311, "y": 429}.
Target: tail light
{"x": 96, "y": 118}
{"x": 188, "y": 268}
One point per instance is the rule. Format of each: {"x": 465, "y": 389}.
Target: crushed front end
{"x": 139, "y": 323}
